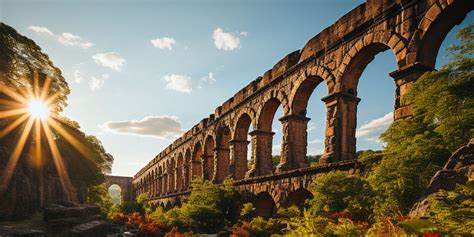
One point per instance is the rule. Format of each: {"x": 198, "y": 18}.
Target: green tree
{"x": 337, "y": 192}
{"x": 443, "y": 120}
{"x": 99, "y": 196}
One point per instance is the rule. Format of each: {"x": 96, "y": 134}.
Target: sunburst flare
{"x": 30, "y": 109}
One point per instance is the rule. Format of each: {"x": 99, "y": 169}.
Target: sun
{"x": 38, "y": 109}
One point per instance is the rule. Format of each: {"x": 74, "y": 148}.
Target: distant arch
{"x": 187, "y": 168}
{"x": 223, "y": 151}
{"x": 264, "y": 205}
{"x": 298, "y": 198}
{"x": 197, "y": 165}
{"x": 240, "y": 143}
{"x": 209, "y": 157}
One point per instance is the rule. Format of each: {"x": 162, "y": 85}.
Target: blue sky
{"x": 162, "y": 66}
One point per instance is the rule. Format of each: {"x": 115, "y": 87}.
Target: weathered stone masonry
{"x": 216, "y": 147}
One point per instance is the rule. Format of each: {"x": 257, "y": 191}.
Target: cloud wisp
{"x": 371, "y": 130}
{"x": 163, "y": 43}
{"x": 110, "y": 59}
{"x": 162, "y": 127}
{"x": 226, "y": 40}
{"x": 180, "y": 83}
{"x": 65, "y": 38}
{"x": 97, "y": 83}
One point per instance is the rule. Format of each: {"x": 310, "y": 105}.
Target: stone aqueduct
{"x": 216, "y": 147}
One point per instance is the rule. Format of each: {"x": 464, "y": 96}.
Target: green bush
{"x": 337, "y": 192}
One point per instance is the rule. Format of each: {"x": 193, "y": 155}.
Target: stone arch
{"x": 172, "y": 174}
{"x": 197, "y": 164}
{"x": 209, "y": 147}
{"x": 298, "y": 198}
{"x": 240, "y": 145}
{"x": 222, "y": 153}
{"x": 125, "y": 184}
{"x": 363, "y": 51}
{"x": 179, "y": 172}
{"x": 167, "y": 176}
{"x": 264, "y": 204}
{"x": 160, "y": 180}
{"x": 187, "y": 168}
{"x": 363, "y": 55}
{"x": 435, "y": 25}
{"x": 262, "y": 136}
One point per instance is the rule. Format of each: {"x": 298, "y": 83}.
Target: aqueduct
{"x": 216, "y": 147}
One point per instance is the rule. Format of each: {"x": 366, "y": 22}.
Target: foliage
{"x": 248, "y": 211}
{"x": 453, "y": 211}
{"x": 99, "y": 196}
{"x": 313, "y": 160}
{"x": 443, "y": 120}
{"x": 385, "y": 227}
{"x": 132, "y": 207}
{"x": 368, "y": 155}
{"x": 142, "y": 200}
{"x": 209, "y": 208}
{"x": 418, "y": 227}
{"x": 257, "y": 227}
{"x": 336, "y": 192}
{"x": 290, "y": 212}
{"x": 145, "y": 225}
{"x": 314, "y": 225}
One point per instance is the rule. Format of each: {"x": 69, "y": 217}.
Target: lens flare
{"x": 30, "y": 112}
{"x": 38, "y": 109}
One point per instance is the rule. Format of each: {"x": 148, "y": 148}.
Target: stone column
{"x": 341, "y": 123}
{"x": 172, "y": 181}
{"x": 294, "y": 145}
{"x": 221, "y": 165}
{"x": 205, "y": 172}
{"x": 238, "y": 158}
{"x": 187, "y": 176}
{"x": 160, "y": 185}
{"x": 197, "y": 168}
{"x": 261, "y": 153}
{"x": 165, "y": 183}
{"x": 404, "y": 78}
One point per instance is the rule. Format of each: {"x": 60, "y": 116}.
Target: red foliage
{"x": 242, "y": 230}
{"x": 401, "y": 218}
{"x": 431, "y": 234}
{"x": 175, "y": 233}
{"x": 145, "y": 225}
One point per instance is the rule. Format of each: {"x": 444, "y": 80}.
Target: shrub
{"x": 337, "y": 192}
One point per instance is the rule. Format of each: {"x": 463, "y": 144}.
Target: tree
{"x": 337, "y": 192}
{"x": 443, "y": 120}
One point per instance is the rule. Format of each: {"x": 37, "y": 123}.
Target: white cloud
{"x": 162, "y": 127}
{"x": 111, "y": 59}
{"x": 371, "y": 130}
{"x": 225, "y": 40}
{"x": 64, "y": 38}
{"x": 163, "y": 43}
{"x": 311, "y": 126}
{"x": 96, "y": 83}
{"x": 76, "y": 74}
{"x": 181, "y": 83}
{"x": 40, "y": 30}
{"x": 209, "y": 79}
{"x": 315, "y": 141}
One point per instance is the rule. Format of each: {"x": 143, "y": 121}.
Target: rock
{"x": 9, "y": 231}
{"x": 95, "y": 228}
{"x": 79, "y": 211}
{"x": 458, "y": 170}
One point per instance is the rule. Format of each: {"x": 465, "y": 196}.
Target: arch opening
{"x": 197, "y": 165}
{"x": 187, "y": 169}
{"x": 209, "y": 148}
{"x": 298, "y": 198}
{"x": 264, "y": 205}
{"x": 222, "y": 154}
{"x": 242, "y": 147}
{"x": 115, "y": 193}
